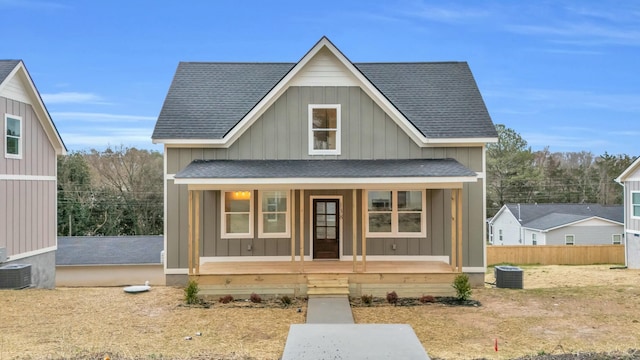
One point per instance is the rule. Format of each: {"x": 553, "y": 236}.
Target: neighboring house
{"x": 630, "y": 180}
{"x": 556, "y": 224}
{"x": 109, "y": 260}
{"x": 351, "y": 165}
{"x": 29, "y": 145}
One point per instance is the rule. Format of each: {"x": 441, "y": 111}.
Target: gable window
{"x": 500, "y": 234}
{"x": 534, "y": 240}
{"x": 617, "y": 239}
{"x": 237, "y": 219}
{"x": 274, "y": 214}
{"x": 324, "y": 129}
{"x": 396, "y": 213}
{"x": 635, "y": 204}
{"x": 569, "y": 240}
{"x": 13, "y": 136}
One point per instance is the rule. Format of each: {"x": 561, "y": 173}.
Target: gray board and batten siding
{"x": 30, "y": 190}
{"x": 282, "y": 133}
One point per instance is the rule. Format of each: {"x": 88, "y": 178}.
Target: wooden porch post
{"x": 196, "y": 249}
{"x": 354, "y": 226}
{"x": 454, "y": 231}
{"x": 364, "y": 237}
{"x": 459, "y": 232}
{"x": 190, "y": 232}
{"x": 292, "y": 196}
{"x": 301, "y": 230}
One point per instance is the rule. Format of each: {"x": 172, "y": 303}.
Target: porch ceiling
{"x": 327, "y": 173}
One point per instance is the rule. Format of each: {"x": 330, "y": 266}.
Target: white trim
{"x": 452, "y": 182}
{"x": 287, "y": 233}
{"x": 623, "y": 177}
{"x": 20, "y": 137}
{"x": 28, "y": 177}
{"x": 178, "y": 271}
{"x": 395, "y": 216}
{"x": 631, "y": 203}
{"x": 33, "y": 253}
{"x": 632, "y": 231}
{"x": 484, "y": 209}
{"x": 311, "y": 137}
{"x": 223, "y": 220}
{"x": 613, "y": 241}
{"x": 474, "y": 269}
{"x": 170, "y": 176}
{"x": 340, "y": 225}
{"x": 165, "y": 226}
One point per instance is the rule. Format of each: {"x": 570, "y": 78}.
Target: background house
{"x": 109, "y": 260}
{"x": 557, "y": 224}
{"x": 29, "y": 144}
{"x": 630, "y": 180}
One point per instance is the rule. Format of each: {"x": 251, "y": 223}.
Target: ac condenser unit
{"x": 15, "y": 276}
{"x": 508, "y": 277}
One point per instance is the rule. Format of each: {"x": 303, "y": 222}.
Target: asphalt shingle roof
{"x": 548, "y": 216}
{"x": 205, "y": 100}
{"x": 109, "y": 250}
{"x": 230, "y": 169}
{"x": 6, "y": 66}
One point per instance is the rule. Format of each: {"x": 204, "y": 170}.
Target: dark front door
{"x": 326, "y": 228}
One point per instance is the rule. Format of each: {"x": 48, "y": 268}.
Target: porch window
{"x": 396, "y": 213}
{"x": 13, "y": 136}
{"x": 617, "y": 239}
{"x": 324, "y": 129}
{"x": 635, "y": 204}
{"x": 569, "y": 240}
{"x": 274, "y": 214}
{"x": 237, "y": 221}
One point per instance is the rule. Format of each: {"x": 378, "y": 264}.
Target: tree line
{"x": 112, "y": 192}
{"x": 516, "y": 174}
{"x": 120, "y": 191}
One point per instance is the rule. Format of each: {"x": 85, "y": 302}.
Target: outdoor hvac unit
{"x": 508, "y": 277}
{"x": 15, "y": 276}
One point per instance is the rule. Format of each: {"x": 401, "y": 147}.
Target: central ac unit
{"x": 15, "y": 276}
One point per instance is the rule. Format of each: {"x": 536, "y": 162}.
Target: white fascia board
{"x": 461, "y": 142}
{"x": 623, "y": 177}
{"x": 38, "y": 107}
{"x": 497, "y": 215}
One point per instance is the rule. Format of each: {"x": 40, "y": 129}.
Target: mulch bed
{"x": 443, "y": 300}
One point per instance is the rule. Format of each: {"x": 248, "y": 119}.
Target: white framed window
{"x": 534, "y": 240}
{"x": 273, "y": 214}
{"x": 237, "y": 214}
{"x": 324, "y": 129}
{"x": 616, "y": 239}
{"x": 13, "y": 136}
{"x": 635, "y": 204}
{"x": 396, "y": 213}
{"x": 500, "y": 234}
{"x": 569, "y": 240}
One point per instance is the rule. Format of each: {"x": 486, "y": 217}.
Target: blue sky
{"x": 563, "y": 74}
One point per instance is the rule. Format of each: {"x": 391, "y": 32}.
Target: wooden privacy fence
{"x": 555, "y": 254}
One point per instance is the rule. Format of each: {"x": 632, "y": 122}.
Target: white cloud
{"x": 102, "y": 138}
{"x": 99, "y": 117}
{"x": 72, "y": 97}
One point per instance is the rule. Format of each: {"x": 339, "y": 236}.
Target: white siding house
{"x": 630, "y": 180}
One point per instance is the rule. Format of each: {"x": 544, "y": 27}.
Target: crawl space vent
{"x": 15, "y": 276}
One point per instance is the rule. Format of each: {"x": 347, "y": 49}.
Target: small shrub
{"x": 255, "y": 298}
{"x": 191, "y": 292}
{"x": 392, "y": 298}
{"x": 285, "y": 300}
{"x": 427, "y": 299}
{"x": 462, "y": 286}
{"x": 226, "y": 299}
{"x": 367, "y": 299}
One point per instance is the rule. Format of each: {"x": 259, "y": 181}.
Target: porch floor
{"x": 324, "y": 267}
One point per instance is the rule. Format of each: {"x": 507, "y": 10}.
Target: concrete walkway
{"x": 330, "y": 333}
{"x": 329, "y": 310}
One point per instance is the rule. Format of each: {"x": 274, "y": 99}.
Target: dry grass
{"x": 562, "y": 309}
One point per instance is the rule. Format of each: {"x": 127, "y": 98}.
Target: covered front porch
{"x": 361, "y": 263}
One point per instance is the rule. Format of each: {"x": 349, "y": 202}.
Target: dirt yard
{"x": 562, "y": 310}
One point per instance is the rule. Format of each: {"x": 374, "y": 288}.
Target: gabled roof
{"x": 629, "y": 171}
{"x": 12, "y": 68}
{"x": 548, "y": 216}
{"x": 109, "y": 250}
{"x": 214, "y": 102}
